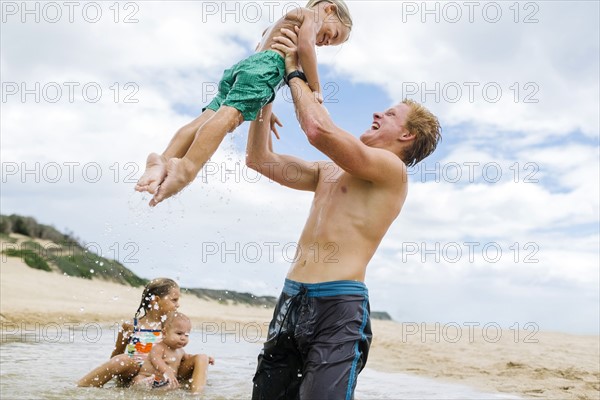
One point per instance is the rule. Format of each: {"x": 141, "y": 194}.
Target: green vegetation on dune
{"x": 7, "y": 238}
{"x": 30, "y": 227}
{"x": 30, "y": 258}
{"x": 65, "y": 253}
{"x": 88, "y": 265}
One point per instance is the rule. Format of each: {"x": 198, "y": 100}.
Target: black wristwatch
{"x": 295, "y": 74}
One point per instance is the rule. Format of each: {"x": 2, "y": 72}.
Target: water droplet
{"x": 91, "y": 271}
{"x": 81, "y": 309}
{"x": 101, "y": 263}
{"x": 115, "y": 298}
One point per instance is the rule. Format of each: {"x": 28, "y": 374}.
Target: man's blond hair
{"x": 341, "y": 9}
{"x": 427, "y": 130}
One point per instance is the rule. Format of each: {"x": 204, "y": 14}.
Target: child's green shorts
{"x": 250, "y": 84}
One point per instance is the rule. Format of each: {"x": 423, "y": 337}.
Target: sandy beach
{"x": 525, "y": 363}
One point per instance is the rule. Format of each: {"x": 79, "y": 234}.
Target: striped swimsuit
{"x": 141, "y": 342}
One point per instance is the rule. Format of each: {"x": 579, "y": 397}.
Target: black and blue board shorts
{"x": 318, "y": 342}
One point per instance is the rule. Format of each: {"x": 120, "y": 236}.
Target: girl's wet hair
{"x": 156, "y": 287}
{"x": 341, "y": 9}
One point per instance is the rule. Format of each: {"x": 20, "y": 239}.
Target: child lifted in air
{"x": 243, "y": 90}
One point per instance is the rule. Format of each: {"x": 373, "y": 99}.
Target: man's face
{"x": 386, "y": 126}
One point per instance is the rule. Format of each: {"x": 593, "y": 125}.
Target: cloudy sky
{"x": 501, "y": 224}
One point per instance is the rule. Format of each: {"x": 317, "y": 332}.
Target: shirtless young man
{"x": 320, "y": 334}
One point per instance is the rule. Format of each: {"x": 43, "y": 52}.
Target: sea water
{"x": 45, "y": 363}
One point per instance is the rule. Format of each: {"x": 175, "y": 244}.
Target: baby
{"x": 159, "y": 370}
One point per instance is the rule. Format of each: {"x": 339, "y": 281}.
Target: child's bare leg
{"x": 122, "y": 366}
{"x": 194, "y": 370}
{"x": 156, "y": 165}
{"x": 182, "y": 171}
{"x": 184, "y": 137}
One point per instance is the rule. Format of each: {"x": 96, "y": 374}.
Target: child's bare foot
{"x": 156, "y": 170}
{"x": 180, "y": 173}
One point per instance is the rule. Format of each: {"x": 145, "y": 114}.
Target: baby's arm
{"x": 306, "y": 49}
{"x": 156, "y": 358}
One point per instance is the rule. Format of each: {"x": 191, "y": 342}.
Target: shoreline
{"x": 559, "y": 366}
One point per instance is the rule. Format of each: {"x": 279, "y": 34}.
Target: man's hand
{"x": 288, "y": 44}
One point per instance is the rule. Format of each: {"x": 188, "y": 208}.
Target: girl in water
{"x": 135, "y": 340}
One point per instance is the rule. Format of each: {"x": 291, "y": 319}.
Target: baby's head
{"x": 337, "y": 21}
{"x": 176, "y": 330}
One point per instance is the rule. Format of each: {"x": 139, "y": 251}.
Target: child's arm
{"x": 306, "y": 50}
{"x": 156, "y": 358}
{"x": 122, "y": 339}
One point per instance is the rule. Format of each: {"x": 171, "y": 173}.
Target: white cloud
{"x": 554, "y": 54}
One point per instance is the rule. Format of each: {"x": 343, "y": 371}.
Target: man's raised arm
{"x": 353, "y": 156}
{"x": 286, "y": 170}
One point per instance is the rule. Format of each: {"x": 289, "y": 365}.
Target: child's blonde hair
{"x": 156, "y": 287}
{"x": 341, "y": 10}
